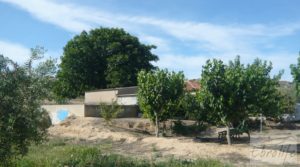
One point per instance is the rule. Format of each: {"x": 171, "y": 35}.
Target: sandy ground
{"x": 274, "y": 147}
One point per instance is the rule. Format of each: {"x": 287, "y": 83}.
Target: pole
{"x": 261, "y": 121}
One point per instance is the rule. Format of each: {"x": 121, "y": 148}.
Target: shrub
{"x": 109, "y": 111}
{"x": 180, "y": 128}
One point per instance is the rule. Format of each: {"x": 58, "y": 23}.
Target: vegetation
{"x": 180, "y": 128}
{"x": 102, "y": 58}
{"x": 159, "y": 94}
{"x": 109, "y": 111}
{"x": 61, "y": 154}
{"x": 289, "y": 93}
{"x": 295, "y": 71}
{"x": 233, "y": 92}
{"x": 193, "y": 107}
{"x": 22, "y": 89}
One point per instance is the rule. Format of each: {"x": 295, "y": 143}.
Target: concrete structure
{"x": 60, "y": 112}
{"x": 297, "y": 112}
{"x": 125, "y": 96}
{"x": 95, "y": 97}
{"x": 294, "y": 116}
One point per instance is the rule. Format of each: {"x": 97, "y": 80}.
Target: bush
{"x": 109, "y": 111}
{"x": 180, "y": 128}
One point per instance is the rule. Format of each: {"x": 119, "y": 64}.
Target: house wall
{"x": 58, "y": 112}
{"x": 127, "y": 100}
{"x": 105, "y": 96}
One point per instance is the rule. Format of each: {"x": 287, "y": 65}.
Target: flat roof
{"x": 109, "y": 89}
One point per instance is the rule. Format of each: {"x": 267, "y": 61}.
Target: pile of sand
{"x": 89, "y": 129}
{"x": 93, "y": 129}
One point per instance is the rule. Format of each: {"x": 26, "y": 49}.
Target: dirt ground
{"x": 128, "y": 136}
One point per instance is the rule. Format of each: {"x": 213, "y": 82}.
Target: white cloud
{"x": 217, "y": 40}
{"x": 192, "y": 65}
{"x": 161, "y": 43}
{"x": 67, "y": 16}
{"x": 76, "y": 18}
{"x": 14, "y": 51}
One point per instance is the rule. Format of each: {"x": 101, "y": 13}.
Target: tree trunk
{"x": 228, "y": 134}
{"x": 156, "y": 125}
{"x": 249, "y": 136}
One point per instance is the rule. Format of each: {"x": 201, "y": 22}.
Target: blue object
{"x": 62, "y": 114}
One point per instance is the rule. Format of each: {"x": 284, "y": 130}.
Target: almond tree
{"x": 231, "y": 93}
{"x": 158, "y": 93}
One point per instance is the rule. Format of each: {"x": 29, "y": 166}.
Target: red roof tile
{"x": 192, "y": 85}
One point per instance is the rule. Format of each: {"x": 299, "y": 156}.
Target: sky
{"x": 186, "y": 32}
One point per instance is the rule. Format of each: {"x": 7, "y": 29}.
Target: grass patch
{"x": 62, "y": 153}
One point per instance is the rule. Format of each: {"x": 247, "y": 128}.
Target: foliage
{"x": 263, "y": 96}
{"x": 233, "y": 92}
{"x": 192, "y": 104}
{"x": 109, "y": 111}
{"x": 159, "y": 94}
{"x": 287, "y": 104}
{"x": 295, "y": 71}
{"x": 22, "y": 89}
{"x": 289, "y": 96}
{"x": 102, "y": 58}
{"x": 64, "y": 154}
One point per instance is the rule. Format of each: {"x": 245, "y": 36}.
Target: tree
{"x": 159, "y": 93}
{"x": 263, "y": 95}
{"x": 220, "y": 99}
{"x": 295, "y": 71}
{"x": 102, "y": 58}
{"x": 233, "y": 92}
{"x": 22, "y": 89}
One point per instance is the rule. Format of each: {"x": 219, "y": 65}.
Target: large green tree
{"x": 233, "y": 92}
{"x": 159, "y": 93}
{"x": 102, "y": 58}
{"x": 22, "y": 90}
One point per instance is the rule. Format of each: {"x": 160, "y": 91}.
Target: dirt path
{"x": 138, "y": 144}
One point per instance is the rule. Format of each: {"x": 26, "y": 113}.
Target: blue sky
{"x": 187, "y": 33}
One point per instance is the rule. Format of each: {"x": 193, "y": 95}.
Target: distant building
{"x": 125, "y": 96}
{"x": 192, "y": 86}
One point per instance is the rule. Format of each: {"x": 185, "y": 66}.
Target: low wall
{"x": 59, "y": 112}
{"x": 129, "y": 111}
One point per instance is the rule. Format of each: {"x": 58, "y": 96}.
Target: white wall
{"x": 94, "y": 98}
{"x": 72, "y": 109}
{"x": 127, "y": 100}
